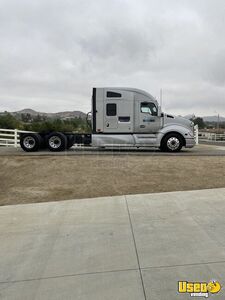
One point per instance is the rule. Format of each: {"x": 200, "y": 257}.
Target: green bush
{"x": 73, "y": 125}
{"x": 7, "y": 121}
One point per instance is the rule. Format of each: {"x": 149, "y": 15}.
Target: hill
{"x": 59, "y": 115}
{"x": 213, "y": 119}
{"x": 207, "y": 118}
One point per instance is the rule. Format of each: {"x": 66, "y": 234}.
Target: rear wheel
{"x": 172, "y": 142}
{"x": 31, "y": 142}
{"x": 56, "y": 141}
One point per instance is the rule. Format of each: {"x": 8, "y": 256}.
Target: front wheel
{"x": 172, "y": 142}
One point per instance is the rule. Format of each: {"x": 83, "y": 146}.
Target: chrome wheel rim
{"x": 173, "y": 143}
{"x": 55, "y": 142}
{"x": 29, "y": 142}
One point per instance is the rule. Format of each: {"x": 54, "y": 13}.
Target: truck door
{"x": 149, "y": 121}
{"x": 111, "y": 117}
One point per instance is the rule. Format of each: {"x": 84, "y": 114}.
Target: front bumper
{"x": 190, "y": 142}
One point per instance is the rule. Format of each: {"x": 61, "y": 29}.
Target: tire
{"x": 56, "y": 141}
{"x": 31, "y": 142}
{"x": 172, "y": 142}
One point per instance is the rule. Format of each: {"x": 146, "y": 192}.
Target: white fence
{"x": 219, "y": 137}
{"x": 10, "y": 137}
{"x": 211, "y": 136}
{"x": 216, "y": 137}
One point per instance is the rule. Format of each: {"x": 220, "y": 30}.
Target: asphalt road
{"x": 199, "y": 150}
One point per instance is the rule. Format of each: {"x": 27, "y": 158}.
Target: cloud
{"x": 53, "y": 52}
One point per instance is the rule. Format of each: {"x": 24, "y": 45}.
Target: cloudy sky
{"x": 52, "y": 52}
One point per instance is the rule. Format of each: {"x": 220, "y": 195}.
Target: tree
{"x": 199, "y": 121}
{"x": 26, "y": 117}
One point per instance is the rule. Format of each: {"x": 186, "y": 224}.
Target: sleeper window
{"x": 113, "y": 95}
{"x": 111, "y": 109}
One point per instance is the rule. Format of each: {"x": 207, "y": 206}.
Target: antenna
{"x": 218, "y": 123}
{"x": 160, "y": 98}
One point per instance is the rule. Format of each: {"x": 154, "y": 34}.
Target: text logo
{"x": 199, "y": 289}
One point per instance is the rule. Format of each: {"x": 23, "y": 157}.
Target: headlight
{"x": 191, "y": 132}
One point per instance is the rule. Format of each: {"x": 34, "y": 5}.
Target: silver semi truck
{"x": 121, "y": 117}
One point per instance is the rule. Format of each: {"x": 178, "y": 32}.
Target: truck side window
{"x": 149, "y": 108}
{"x": 111, "y": 109}
{"x": 113, "y": 95}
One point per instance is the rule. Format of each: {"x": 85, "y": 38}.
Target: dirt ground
{"x": 26, "y": 179}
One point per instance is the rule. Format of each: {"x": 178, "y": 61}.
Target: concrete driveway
{"x": 129, "y": 247}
